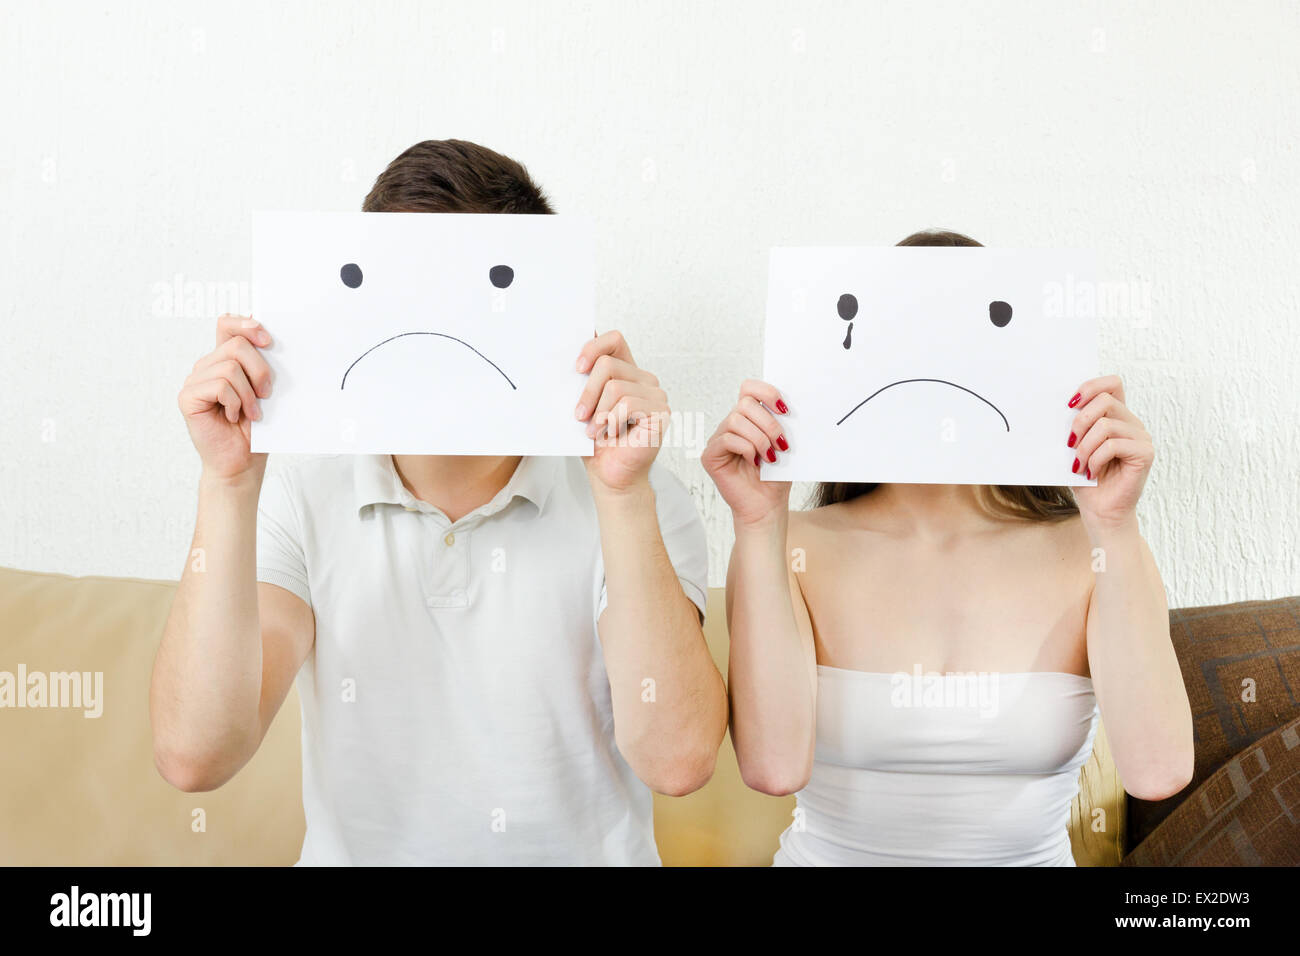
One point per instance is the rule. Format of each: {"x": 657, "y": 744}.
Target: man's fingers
{"x": 243, "y": 325}
{"x": 254, "y": 364}
{"x": 621, "y": 401}
{"x": 611, "y": 343}
{"x": 617, "y": 375}
{"x": 643, "y": 420}
{"x": 230, "y": 400}
{"x": 199, "y": 397}
{"x": 622, "y": 388}
{"x": 232, "y": 374}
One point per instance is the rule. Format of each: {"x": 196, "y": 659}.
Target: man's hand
{"x": 231, "y": 645}
{"x": 626, "y": 411}
{"x": 220, "y": 398}
{"x": 649, "y": 628}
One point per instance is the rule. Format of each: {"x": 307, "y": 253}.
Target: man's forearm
{"x": 670, "y": 709}
{"x": 207, "y": 679}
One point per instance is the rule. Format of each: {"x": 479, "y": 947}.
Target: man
{"x": 496, "y": 657}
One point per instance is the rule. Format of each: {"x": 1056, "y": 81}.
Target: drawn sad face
{"x": 498, "y": 276}
{"x": 999, "y": 314}
{"x": 423, "y": 333}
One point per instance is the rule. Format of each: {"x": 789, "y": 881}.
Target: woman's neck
{"x": 932, "y": 510}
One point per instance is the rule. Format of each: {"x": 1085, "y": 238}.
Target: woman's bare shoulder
{"x": 834, "y": 517}
{"x": 1064, "y": 543}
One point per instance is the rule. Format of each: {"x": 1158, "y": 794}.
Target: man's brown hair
{"x": 453, "y": 175}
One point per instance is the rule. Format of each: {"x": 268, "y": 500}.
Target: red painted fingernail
{"x": 781, "y": 443}
{"x": 1075, "y": 401}
{"x": 771, "y": 455}
{"x": 780, "y": 407}
{"x": 1087, "y": 473}
{"x": 1075, "y": 466}
{"x": 1070, "y": 443}
{"x": 757, "y": 463}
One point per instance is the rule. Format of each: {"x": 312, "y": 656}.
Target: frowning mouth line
{"x": 941, "y": 381}
{"x": 441, "y": 335}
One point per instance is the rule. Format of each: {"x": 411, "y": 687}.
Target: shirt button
{"x": 450, "y": 539}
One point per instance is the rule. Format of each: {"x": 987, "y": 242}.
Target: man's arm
{"x": 670, "y": 705}
{"x": 231, "y": 646}
{"x": 668, "y": 730}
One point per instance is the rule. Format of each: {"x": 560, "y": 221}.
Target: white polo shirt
{"x": 455, "y": 706}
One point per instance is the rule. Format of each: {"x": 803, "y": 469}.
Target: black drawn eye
{"x": 847, "y": 307}
{"x": 351, "y": 275}
{"x": 501, "y": 276}
{"x": 999, "y": 313}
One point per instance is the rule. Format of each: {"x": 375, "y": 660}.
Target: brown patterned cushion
{"x": 1246, "y": 814}
{"x": 1220, "y": 648}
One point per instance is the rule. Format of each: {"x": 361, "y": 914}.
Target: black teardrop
{"x": 848, "y": 336}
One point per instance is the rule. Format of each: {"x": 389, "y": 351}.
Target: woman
{"x": 1031, "y": 609}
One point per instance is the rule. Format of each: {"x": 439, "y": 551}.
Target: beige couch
{"x": 76, "y": 790}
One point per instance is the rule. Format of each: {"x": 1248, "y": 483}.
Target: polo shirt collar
{"x": 376, "y": 482}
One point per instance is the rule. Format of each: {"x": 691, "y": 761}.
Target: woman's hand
{"x": 747, "y": 436}
{"x": 1113, "y": 446}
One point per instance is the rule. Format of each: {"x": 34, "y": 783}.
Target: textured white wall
{"x": 136, "y": 142}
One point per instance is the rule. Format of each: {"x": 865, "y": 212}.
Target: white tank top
{"x": 942, "y": 770}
